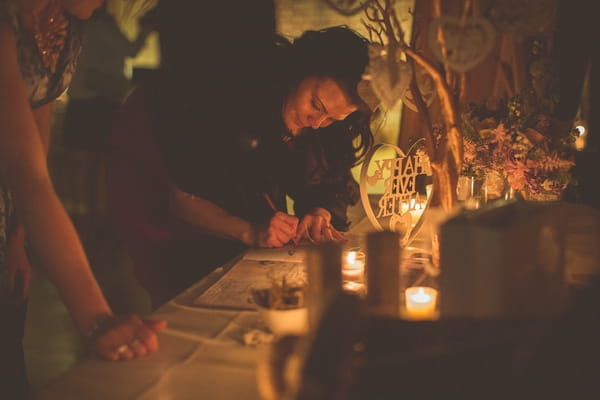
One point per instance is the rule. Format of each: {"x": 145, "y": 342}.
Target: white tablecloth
{"x": 202, "y": 352}
{"x": 202, "y": 355}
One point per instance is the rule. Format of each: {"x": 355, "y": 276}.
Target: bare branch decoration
{"x": 445, "y": 157}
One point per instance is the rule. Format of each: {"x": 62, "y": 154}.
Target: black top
{"x": 219, "y": 124}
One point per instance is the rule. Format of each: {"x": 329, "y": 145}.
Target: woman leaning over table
{"x": 39, "y": 44}
{"x": 229, "y": 118}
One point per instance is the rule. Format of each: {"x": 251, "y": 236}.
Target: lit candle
{"x": 354, "y": 287}
{"x": 353, "y": 267}
{"x": 415, "y": 209}
{"x": 420, "y": 303}
{"x": 581, "y": 137}
{"x": 416, "y": 212}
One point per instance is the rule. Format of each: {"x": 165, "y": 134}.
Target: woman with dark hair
{"x": 233, "y": 118}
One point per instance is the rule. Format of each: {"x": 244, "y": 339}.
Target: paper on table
{"x": 289, "y": 253}
{"x": 232, "y": 290}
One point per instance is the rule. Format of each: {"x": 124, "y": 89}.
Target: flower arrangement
{"x": 514, "y": 140}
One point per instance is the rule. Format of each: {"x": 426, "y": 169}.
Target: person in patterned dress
{"x": 39, "y": 44}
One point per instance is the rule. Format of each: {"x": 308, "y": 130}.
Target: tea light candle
{"x": 417, "y": 212}
{"x": 354, "y": 287}
{"x": 581, "y": 137}
{"x": 353, "y": 267}
{"x": 420, "y": 303}
{"x": 415, "y": 209}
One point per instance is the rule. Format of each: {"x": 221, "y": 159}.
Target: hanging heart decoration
{"x": 426, "y": 87}
{"x": 393, "y": 192}
{"x": 380, "y": 71}
{"x": 461, "y": 44}
{"x": 348, "y": 7}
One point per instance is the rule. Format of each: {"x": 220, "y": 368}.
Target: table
{"x": 202, "y": 353}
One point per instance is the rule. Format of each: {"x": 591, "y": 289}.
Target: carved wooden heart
{"x": 392, "y": 189}
{"x": 465, "y": 43}
{"x": 380, "y": 73}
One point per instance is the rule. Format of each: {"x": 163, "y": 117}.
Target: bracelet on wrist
{"x": 97, "y": 325}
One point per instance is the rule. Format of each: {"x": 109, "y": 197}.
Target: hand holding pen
{"x": 279, "y": 230}
{"x": 315, "y": 225}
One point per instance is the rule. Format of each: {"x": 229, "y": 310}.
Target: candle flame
{"x": 420, "y": 296}
{"x": 351, "y": 257}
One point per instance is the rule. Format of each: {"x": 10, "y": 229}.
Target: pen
{"x": 274, "y": 209}
{"x": 270, "y": 202}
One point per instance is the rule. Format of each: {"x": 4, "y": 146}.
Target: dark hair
{"x": 337, "y": 52}
{"x": 341, "y": 54}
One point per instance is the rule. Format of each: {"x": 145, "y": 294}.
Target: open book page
{"x": 232, "y": 290}
{"x": 297, "y": 253}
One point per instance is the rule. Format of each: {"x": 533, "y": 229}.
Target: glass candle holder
{"x": 353, "y": 270}
{"x": 419, "y": 290}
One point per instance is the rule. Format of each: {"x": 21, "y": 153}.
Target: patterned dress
{"x": 43, "y": 87}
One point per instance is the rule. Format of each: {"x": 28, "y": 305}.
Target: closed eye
{"x": 317, "y": 105}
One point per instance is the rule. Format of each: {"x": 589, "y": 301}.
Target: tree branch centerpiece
{"x": 445, "y": 154}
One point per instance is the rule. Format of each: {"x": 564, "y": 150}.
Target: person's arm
{"x": 322, "y": 185}
{"x": 20, "y": 273}
{"x": 43, "y": 118}
{"x": 23, "y": 169}
{"x": 214, "y": 220}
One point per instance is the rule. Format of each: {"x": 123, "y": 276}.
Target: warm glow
{"x": 580, "y": 140}
{"x": 421, "y": 303}
{"x": 421, "y": 297}
{"x": 353, "y": 267}
{"x": 351, "y": 259}
{"x": 354, "y": 287}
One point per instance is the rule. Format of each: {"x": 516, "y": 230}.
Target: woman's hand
{"x": 122, "y": 338}
{"x": 279, "y": 230}
{"x": 19, "y": 268}
{"x": 316, "y": 227}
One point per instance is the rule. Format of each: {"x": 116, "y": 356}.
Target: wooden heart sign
{"x": 393, "y": 190}
{"x": 461, "y": 44}
{"x": 380, "y": 71}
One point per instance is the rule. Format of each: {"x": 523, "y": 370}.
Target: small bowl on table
{"x": 282, "y": 317}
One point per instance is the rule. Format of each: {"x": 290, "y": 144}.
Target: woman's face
{"x": 82, "y": 9}
{"x": 315, "y": 103}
